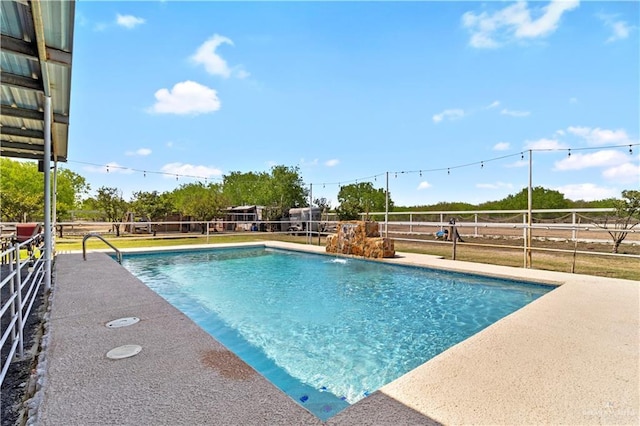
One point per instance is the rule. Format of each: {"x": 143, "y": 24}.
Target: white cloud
{"x": 598, "y": 136}
{"x": 111, "y": 167}
{"x": 604, "y": 158}
{"x": 496, "y": 185}
{"x": 493, "y": 104}
{"x": 424, "y": 185}
{"x": 128, "y": 21}
{"x": 514, "y": 22}
{"x": 514, "y": 113}
{"x": 560, "y": 132}
{"x": 544, "y": 144}
{"x": 587, "y": 192}
{"x": 142, "y": 152}
{"x": 450, "y": 114}
{"x": 214, "y": 63}
{"x": 627, "y": 173}
{"x": 501, "y": 146}
{"x": 207, "y": 56}
{"x": 573, "y": 100}
{"x": 183, "y": 169}
{"x": 169, "y": 144}
{"x": 332, "y": 163}
{"x": 187, "y": 97}
{"x": 620, "y": 30}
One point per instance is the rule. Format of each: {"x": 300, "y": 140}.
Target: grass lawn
{"x": 597, "y": 265}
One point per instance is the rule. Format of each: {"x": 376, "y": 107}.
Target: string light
{"x": 108, "y": 167}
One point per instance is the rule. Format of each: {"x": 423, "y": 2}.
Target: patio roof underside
{"x": 36, "y": 53}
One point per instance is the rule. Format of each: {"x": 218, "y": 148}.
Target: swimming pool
{"x": 327, "y": 331}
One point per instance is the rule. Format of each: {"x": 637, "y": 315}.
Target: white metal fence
{"x": 23, "y": 272}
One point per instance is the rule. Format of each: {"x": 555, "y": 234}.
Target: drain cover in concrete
{"x": 122, "y": 322}
{"x": 125, "y": 351}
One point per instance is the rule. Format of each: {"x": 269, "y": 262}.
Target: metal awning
{"x": 36, "y": 52}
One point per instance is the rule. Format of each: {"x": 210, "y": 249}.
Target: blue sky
{"x": 445, "y": 96}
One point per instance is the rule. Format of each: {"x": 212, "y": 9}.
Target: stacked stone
{"x": 360, "y": 238}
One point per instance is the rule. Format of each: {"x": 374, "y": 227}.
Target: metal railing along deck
{"x": 20, "y": 283}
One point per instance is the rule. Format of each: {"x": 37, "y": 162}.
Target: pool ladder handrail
{"x": 93, "y": 234}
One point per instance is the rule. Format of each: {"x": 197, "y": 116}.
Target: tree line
{"x": 280, "y": 189}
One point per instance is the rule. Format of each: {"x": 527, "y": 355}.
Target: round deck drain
{"x": 122, "y": 322}
{"x": 125, "y": 351}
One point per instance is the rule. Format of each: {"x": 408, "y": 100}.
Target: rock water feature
{"x": 360, "y": 238}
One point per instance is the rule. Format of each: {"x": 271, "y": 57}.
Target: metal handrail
{"x": 91, "y": 234}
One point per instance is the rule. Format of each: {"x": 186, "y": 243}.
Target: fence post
{"x": 524, "y": 237}
{"x": 454, "y": 233}
{"x": 17, "y": 282}
{"x": 475, "y": 232}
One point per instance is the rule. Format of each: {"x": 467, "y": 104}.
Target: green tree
{"x": 70, "y": 188}
{"x": 286, "y": 190}
{"x": 279, "y": 190}
{"x": 200, "y": 201}
{"x": 110, "y": 201}
{"x": 246, "y": 188}
{"x": 152, "y": 205}
{"x": 360, "y": 198}
{"x": 627, "y": 217}
{"x": 541, "y": 198}
{"x": 22, "y": 191}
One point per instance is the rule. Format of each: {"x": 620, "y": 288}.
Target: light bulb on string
{"x": 107, "y": 169}
{"x": 482, "y": 164}
{"x": 420, "y": 173}
{"x": 630, "y": 150}
{"x": 448, "y": 171}
{"x": 396, "y": 174}
{"x": 522, "y": 155}
{"x": 176, "y": 177}
{"x": 569, "y": 153}
{"x": 144, "y": 174}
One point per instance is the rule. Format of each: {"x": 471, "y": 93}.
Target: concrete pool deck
{"x": 570, "y": 357}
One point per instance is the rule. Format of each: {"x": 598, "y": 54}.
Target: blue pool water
{"x": 327, "y": 331}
